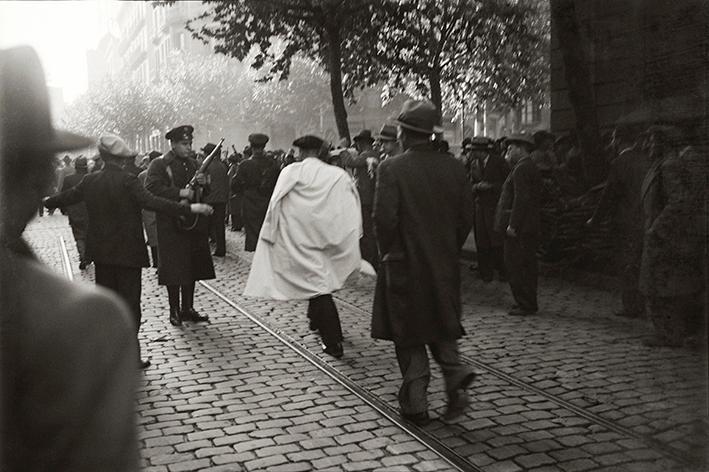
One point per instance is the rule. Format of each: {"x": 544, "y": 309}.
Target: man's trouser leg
{"x": 367, "y": 243}
{"x": 187, "y": 292}
{"x": 126, "y": 282}
{"x": 416, "y": 375}
{"x": 522, "y": 271}
{"x": 217, "y": 219}
{"x": 456, "y": 375}
{"x": 630, "y": 255}
{"x": 327, "y": 320}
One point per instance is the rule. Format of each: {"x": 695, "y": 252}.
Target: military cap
{"x": 154, "y": 155}
{"x": 520, "y": 138}
{"x": 482, "y": 142}
{"x": 258, "y": 139}
{"x": 308, "y": 142}
{"x": 419, "y": 116}
{"x": 387, "y": 133}
{"x": 112, "y": 145}
{"x": 81, "y": 163}
{"x": 180, "y": 133}
{"x": 364, "y": 135}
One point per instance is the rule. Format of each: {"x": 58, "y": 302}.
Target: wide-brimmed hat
{"x": 387, "y": 133}
{"x": 25, "y": 116}
{"x": 364, "y": 135}
{"x": 112, "y": 145}
{"x": 419, "y": 116}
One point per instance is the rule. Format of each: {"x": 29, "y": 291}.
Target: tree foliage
{"x": 459, "y": 50}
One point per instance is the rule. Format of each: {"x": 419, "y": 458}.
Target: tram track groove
{"x": 432, "y": 443}
{"x": 66, "y": 263}
{"x": 665, "y": 449}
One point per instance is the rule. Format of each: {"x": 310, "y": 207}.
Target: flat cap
{"x": 154, "y": 154}
{"x": 308, "y": 142}
{"x": 208, "y": 148}
{"x": 482, "y": 142}
{"x": 180, "y": 133}
{"x": 258, "y": 139}
{"x": 112, "y": 145}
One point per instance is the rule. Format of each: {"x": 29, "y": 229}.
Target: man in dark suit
{"x": 255, "y": 179}
{"x": 183, "y": 255}
{"x": 487, "y": 172}
{"x": 423, "y": 212}
{"x": 113, "y": 200}
{"x": 518, "y": 217}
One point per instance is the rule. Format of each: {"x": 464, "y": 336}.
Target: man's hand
{"x": 187, "y": 193}
{"x": 511, "y": 232}
{"x": 201, "y": 208}
{"x": 201, "y": 179}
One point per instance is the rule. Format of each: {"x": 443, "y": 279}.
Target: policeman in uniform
{"x": 255, "y": 179}
{"x": 183, "y": 254}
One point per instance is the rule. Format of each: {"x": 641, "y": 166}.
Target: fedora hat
{"x": 520, "y": 138}
{"x": 387, "y": 133}
{"x": 419, "y": 116}
{"x": 112, "y": 145}
{"x": 25, "y": 119}
{"x": 364, "y": 135}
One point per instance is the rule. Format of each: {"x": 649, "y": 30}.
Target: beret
{"x": 308, "y": 142}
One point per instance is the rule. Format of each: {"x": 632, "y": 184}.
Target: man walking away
{"x": 78, "y": 217}
{"x": 217, "y": 198}
{"x": 423, "y": 212}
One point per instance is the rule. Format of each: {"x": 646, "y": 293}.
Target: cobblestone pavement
{"x": 570, "y": 389}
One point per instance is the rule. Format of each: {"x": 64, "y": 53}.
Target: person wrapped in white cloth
{"x": 309, "y": 242}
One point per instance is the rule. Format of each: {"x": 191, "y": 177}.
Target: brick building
{"x": 647, "y": 59}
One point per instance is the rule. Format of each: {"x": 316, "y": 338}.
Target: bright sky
{"x": 60, "y": 31}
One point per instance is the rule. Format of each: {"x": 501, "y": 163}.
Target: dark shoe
{"x": 175, "y": 319}
{"x": 419, "y": 419}
{"x": 457, "y": 404}
{"x": 143, "y": 364}
{"x": 335, "y": 350}
{"x": 83, "y": 265}
{"x": 521, "y": 312}
{"x": 311, "y": 325}
{"x": 219, "y": 254}
{"x": 191, "y": 314}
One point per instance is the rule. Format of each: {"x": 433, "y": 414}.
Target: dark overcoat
{"x": 78, "y": 216}
{"x": 487, "y": 186}
{"x": 674, "y": 196}
{"x": 255, "y": 179}
{"x": 520, "y": 200}
{"x": 183, "y": 256}
{"x": 423, "y": 212}
{"x": 113, "y": 200}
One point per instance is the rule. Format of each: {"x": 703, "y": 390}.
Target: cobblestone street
{"x": 570, "y": 389}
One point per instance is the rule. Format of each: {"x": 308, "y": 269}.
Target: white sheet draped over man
{"x": 309, "y": 241}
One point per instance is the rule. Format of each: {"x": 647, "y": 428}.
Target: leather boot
{"x": 175, "y": 318}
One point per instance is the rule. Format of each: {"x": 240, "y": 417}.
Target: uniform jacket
{"x": 218, "y": 183}
{"x": 184, "y": 256}
{"x": 423, "y": 212}
{"x": 487, "y": 186}
{"x": 519, "y": 202}
{"x": 674, "y": 195}
{"x": 113, "y": 201}
{"x": 309, "y": 241}
{"x": 69, "y": 374}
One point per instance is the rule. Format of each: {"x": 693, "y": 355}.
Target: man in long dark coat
{"x": 423, "y": 212}
{"x": 255, "y": 179}
{"x": 517, "y": 216}
{"x": 184, "y": 255}
{"x": 217, "y": 198}
{"x": 113, "y": 200}
{"x": 487, "y": 172}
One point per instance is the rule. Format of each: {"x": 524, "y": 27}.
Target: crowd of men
{"x": 399, "y": 200}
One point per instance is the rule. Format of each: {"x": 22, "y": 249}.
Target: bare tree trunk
{"x": 335, "y": 65}
{"x": 578, "y": 80}
{"x": 434, "y": 83}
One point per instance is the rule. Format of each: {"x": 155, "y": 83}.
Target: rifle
{"x": 184, "y": 222}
